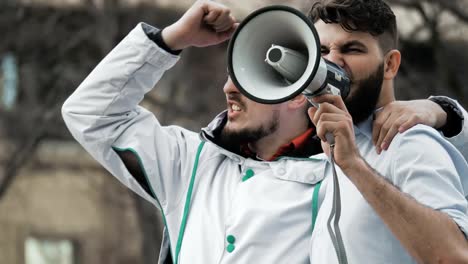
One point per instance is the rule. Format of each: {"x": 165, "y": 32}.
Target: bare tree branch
{"x": 25, "y": 150}
{"x": 453, "y": 6}
{"x": 412, "y": 4}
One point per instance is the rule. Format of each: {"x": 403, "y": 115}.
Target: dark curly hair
{"x": 372, "y": 16}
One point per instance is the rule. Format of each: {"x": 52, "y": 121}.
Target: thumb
{"x": 223, "y": 36}
{"x": 311, "y": 111}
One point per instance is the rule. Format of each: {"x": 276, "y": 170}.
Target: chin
{"x": 231, "y": 126}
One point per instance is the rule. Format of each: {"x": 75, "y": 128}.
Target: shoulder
{"x": 419, "y": 137}
{"x": 422, "y": 150}
{"x": 419, "y": 146}
{"x": 422, "y": 142}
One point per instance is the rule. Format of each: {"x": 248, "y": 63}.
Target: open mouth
{"x": 234, "y": 110}
{"x": 235, "y": 107}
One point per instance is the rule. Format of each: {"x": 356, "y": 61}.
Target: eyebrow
{"x": 349, "y": 44}
{"x": 354, "y": 43}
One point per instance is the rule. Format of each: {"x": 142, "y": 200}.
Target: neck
{"x": 286, "y": 132}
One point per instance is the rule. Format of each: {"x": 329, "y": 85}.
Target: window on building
{"x": 49, "y": 251}
{"x": 8, "y": 81}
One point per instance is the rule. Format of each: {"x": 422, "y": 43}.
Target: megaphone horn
{"x": 274, "y": 55}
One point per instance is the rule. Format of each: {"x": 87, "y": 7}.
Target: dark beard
{"x": 232, "y": 140}
{"x": 362, "y": 103}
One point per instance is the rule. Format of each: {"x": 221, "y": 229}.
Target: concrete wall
{"x": 85, "y": 205}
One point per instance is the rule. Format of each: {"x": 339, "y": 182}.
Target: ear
{"x": 392, "y": 64}
{"x": 297, "y": 102}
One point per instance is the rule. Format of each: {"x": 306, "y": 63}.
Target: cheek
{"x": 255, "y": 114}
{"x": 361, "y": 67}
{"x": 359, "y": 72}
{"x": 355, "y": 68}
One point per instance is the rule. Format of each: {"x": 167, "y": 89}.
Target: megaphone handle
{"x": 329, "y": 136}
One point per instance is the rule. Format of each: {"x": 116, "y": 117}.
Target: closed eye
{"x": 352, "y": 50}
{"x": 324, "y": 50}
{"x": 354, "y": 47}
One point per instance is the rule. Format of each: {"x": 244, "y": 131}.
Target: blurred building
{"x": 62, "y": 207}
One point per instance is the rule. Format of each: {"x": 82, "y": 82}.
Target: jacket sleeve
{"x": 460, "y": 141}
{"x": 104, "y": 117}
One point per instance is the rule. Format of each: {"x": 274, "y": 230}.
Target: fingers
{"x": 341, "y": 127}
{"x": 311, "y": 112}
{"x": 224, "y": 22}
{"x": 218, "y": 17}
{"x": 387, "y": 132}
{"x": 381, "y": 118}
{"x": 225, "y": 35}
{"x": 384, "y": 129}
{"x": 329, "y": 119}
{"x": 335, "y": 100}
{"x": 205, "y": 23}
{"x": 322, "y": 114}
{"x": 331, "y": 110}
{"x": 411, "y": 122}
{"x": 323, "y": 128}
{"x": 211, "y": 16}
{"x": 396, "y": 117}
{"x": 326, "y": 108}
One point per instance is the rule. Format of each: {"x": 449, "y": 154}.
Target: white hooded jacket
{"x": 218, "y": 207}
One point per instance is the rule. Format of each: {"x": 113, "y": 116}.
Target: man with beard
{"x": 405, "y": 205}
{"x": 241, "y": 191}
{"x": 221, "y": 198}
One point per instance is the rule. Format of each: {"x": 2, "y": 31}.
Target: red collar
{"x": 287, "y": 149}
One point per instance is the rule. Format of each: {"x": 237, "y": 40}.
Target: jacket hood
{"x": 214, "y": 128}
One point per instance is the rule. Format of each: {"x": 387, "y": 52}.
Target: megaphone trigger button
{"x": 337, "y": 77}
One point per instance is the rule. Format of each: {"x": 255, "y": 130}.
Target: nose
{"x": 335, "y": 57}
{"x": 229, "y": 87}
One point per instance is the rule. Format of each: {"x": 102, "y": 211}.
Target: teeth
{"x": 236, "y": 107}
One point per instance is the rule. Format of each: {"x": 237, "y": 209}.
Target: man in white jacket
{"x": 243, "y": 190}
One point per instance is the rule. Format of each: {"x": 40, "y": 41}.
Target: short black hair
{"x": 371, "y": 16}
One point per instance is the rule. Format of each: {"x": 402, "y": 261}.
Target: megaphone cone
{"x": 274, "y": 55}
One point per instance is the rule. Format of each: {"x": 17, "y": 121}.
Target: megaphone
{"x": 274, "y": 55}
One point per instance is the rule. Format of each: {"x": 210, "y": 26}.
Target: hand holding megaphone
{"x": 334, "y": 119}
{"x": 205, "y": 23}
